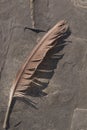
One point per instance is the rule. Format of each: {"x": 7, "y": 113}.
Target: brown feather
{"x": 25, "y": 78}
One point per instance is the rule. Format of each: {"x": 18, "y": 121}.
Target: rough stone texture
{"x": 67, "y": 89}
{"x": 79, "y": 120}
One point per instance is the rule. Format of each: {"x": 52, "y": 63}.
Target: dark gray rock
{"x": 79, "y": 120}
{"x": 67, "y": 89}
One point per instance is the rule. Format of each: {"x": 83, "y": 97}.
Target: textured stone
{"x": 79, "y": 120}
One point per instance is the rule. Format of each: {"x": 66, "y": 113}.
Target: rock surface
{"x": 67, "y": 89}
{"x": 79, "y": 120}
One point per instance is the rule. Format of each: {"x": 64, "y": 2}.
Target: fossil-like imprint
{"x": 80, "y": 3}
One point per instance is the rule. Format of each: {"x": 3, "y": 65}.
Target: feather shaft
{"x": 8, "y": 108}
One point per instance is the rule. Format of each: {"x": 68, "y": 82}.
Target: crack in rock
{"x": 32, "y": 12}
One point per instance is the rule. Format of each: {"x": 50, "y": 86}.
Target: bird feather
{"x": 26, "y": 79}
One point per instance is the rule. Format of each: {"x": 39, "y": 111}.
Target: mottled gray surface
{"x": 79, "y": 120}
{"x": 67, "y": 89}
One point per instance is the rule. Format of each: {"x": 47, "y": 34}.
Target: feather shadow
{"x": 45, "y": 70}
{"x": 26, "y": 101}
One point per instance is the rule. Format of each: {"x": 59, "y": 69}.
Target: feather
{"x": 29, "y": 75}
